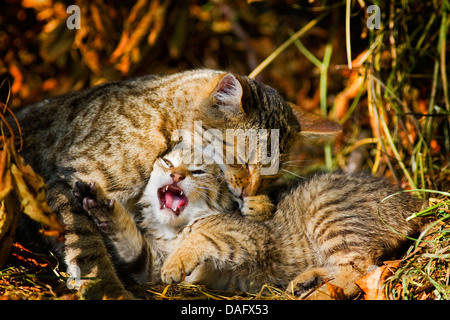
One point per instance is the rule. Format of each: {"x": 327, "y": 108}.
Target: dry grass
{"x": 425, "y": 272}
{"x": 422, "y": 274}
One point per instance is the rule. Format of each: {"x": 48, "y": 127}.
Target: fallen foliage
{"x": 372, "y": 284}
{"x": 22, "y": 191}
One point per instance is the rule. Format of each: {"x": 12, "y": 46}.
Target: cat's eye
{"x": 198, "y": 172}
{"x": 167, "y": 163}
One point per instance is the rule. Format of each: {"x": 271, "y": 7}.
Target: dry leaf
{"x": 35, "y": 208}
{"x": 21, "y": 190}
{"x": 336, "y": 292}
{"x": 8, "y": 207}
{"x": 372, "y": 283}
{"x": 5, "y": 176}
{"x": 342, "y": 100}
{"x": 8, "y": 221}
{"x": 29, "y": 257}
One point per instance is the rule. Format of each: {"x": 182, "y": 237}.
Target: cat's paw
{"x": 300, "y": 288}
{"x": 177, "y": 267}
{"x": 258, "y": 208}
{"x": 91, "y": 198}
{"x": 305, "y": 285}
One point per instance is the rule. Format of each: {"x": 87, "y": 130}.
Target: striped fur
{"x": 112, "y": 134}
{"x": 141, "y": 254}
{"x": 333, "y": 227}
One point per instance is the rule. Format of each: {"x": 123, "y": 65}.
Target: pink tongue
{"x": 174, "y": 202}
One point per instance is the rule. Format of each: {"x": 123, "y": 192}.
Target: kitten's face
{"x": 181, "y": 193}
{"x": 246, "y": 180}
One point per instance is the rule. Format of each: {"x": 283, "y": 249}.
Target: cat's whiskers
{"x": 296, "y": 161}
{"x": 199, "y": 193}
{"x": 292, "y": 173}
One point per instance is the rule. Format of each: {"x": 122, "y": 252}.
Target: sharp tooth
{"x": 164, "y": 206}
{"x": 167, "y": 187}
{"x": 181, "y": 193}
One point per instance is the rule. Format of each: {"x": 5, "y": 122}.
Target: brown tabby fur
{"x": 332, "y": 227}
{"x": 112, "y": 134}
{"x": 141, "y": 249}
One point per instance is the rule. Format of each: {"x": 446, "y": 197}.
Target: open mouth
{"x": 172, "y": 197}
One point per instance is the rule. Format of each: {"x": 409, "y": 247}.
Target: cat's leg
{"x": 224, "y": 242}
{"x": 345, "y": 277}
{"x": 311, "y": 284}
{"x": 84, "y": 251}
{"x": 130, "y": 249}
{"x": 307, "y": 281}
{"x": 350, "y": 267}
{"x": 258, "y": 208}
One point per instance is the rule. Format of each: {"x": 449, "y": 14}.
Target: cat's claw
{"x": 90, "y": 197}
{"x": 82, "y": 191}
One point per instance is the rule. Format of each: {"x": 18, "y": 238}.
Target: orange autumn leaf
{"x": 343, "y": 98}
{"x": 21, "y": 191}
{"x": 5, "y": 175}
{"x": 32, "y": 204}
{"x": 336, "y": 292}
{"x": 372, "y": 283}
{"x": 435, "y": 146}
{"x": 18, "y": 78}
{"x": 23, "y": 254}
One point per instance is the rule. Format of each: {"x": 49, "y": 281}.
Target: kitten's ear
{"x": 228, "y": 95}
{"x": 311, "y": 124}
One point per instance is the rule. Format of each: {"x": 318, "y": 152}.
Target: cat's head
{"x": 180, "y": 193}
{"x": 240, "y": 103}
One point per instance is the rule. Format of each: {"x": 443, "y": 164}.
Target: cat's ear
{"x": 228, "y": 95}
{"x": 311, "y": 124}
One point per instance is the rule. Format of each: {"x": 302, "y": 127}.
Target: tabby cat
{"x": 177, "y": 194}
{"x": 331, "y": 227}
{"x": 112, "y": 134}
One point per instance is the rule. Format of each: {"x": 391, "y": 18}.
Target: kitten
{"x": 112, "y": 134}
{"x": 332, "y": 227}
{"x": 176, "y": 195}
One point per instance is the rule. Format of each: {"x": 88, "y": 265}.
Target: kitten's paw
{"x": 305, "y": 285}
{"x": 258, "y": 208}
{"x": 301, "y": 288}
{"x": 91, "y": 198}
{"x": 173, "y": 271}
{"x": 177, "y": 268}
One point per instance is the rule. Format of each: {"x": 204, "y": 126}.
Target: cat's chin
{"x": 171, "y": 218}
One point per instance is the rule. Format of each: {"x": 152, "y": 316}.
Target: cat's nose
{"x": 176, "y": 176}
